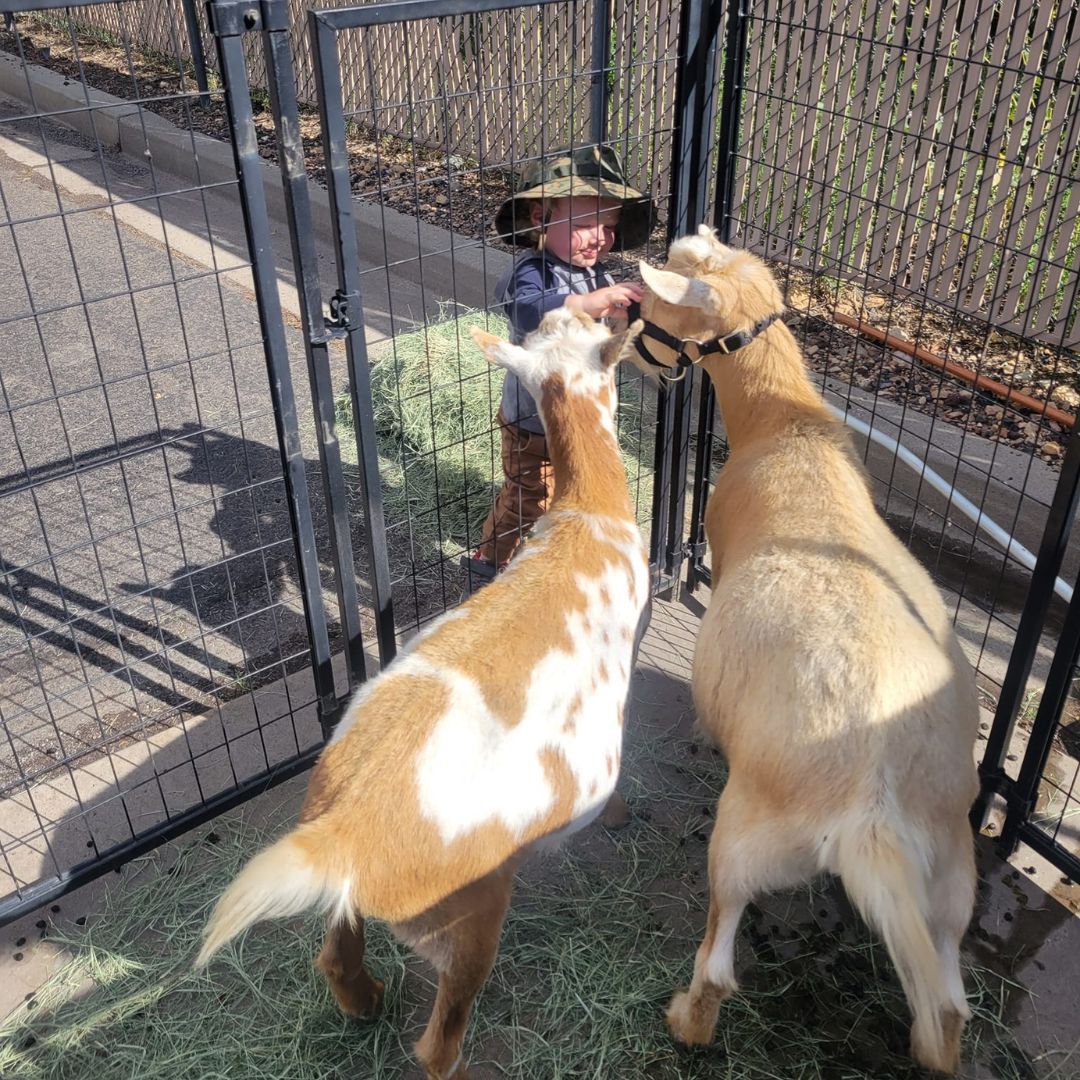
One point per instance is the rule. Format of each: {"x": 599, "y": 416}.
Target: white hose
{"x": 960, "y": 502}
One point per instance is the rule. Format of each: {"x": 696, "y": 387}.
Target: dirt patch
{"x": 451, "y": 191}
{"x": 1026, "y": 367}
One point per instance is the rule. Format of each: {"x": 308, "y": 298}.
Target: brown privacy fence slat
{"x": 930, "y": 146}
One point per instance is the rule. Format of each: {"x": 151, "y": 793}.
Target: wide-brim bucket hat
{"x": 587, "y": 171}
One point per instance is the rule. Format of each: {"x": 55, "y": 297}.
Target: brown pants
{"x": 527, "y": 489}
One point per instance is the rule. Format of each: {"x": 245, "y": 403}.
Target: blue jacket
{"x": 531, "y": 288}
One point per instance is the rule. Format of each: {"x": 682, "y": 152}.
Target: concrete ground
{"x": 142, "y": 495}
{"x": 1026, "y": 928}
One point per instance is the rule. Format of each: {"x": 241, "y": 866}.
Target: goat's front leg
{"x": 692, "y": 1013}
{"x": 342, "y": 962}
{"x": 461, "y": 939}
{"x": 743, "y": 862}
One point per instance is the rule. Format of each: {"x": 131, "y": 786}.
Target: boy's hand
{"x": 605, "y": 303}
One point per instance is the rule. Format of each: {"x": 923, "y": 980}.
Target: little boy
{"x": 571, "y": 210}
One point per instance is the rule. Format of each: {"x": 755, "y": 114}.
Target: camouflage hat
{"x": 590, "y": 170}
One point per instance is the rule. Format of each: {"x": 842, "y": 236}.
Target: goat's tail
{"x": 887, "y": 882}
{"x": 283, "y": 880}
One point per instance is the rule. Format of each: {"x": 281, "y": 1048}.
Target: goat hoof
{"x": 433, "y": 1059}
{"x": 616, "y": 814}
{"x": 687, "y": 1022}
{"x": 362, "y": 1002}
{"x": 458, "y": 1074}
{"x": 943, "y": 1057}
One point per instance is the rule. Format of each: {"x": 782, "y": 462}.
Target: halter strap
{"x": 729, "y": 343}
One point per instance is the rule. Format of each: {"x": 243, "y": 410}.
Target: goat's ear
{"x": 484, "y": 340}
{"x": 498, "y": 352}
{"x": 613, "y": 350}
{"x": 678, "y": 290}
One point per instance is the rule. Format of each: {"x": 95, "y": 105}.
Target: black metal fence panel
{"x": 206, "y": 497}
{"x": 927, "y": 249}
{"x": 413, "y": 185}
{"x": 157, "y": 576}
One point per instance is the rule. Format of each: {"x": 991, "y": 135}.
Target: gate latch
{"x": 340, "y": 321}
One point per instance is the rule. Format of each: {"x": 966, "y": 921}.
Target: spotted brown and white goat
{"x": 497, "y": 728}
{"x": 826, "y": 667}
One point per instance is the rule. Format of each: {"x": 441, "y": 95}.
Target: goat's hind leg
{"x": 922, "y": 917}
{"x": 743, "y": 862}
{"x": 952, "y": 898}
{"x": 461, "y": 939}
{"x": 342, "y": 962}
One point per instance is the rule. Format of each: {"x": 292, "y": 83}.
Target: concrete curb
{"x": 449, "y": 267}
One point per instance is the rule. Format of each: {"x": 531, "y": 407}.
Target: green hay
{"x": 435, "y": 399}
{"x": 597, "y": 939}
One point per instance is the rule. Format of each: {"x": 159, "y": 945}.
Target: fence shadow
{"x": 139, "y": 695}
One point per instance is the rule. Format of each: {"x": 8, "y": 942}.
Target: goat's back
{"x": 827, "y": 650}
{"x": 498, "y": 726}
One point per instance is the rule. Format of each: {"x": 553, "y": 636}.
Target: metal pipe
{"x": 1023, "y": 795}
{"x": 229, "y": 20}
{"x": 956, "y": 499}
{"x": 601, "y": 46}
{"x": 959, "y": 371}
{"x": 195, "y": 44}
{"x": 349, "y": 306}
{"x": 285, "y": 107}
{"x": 1044, "y": 580}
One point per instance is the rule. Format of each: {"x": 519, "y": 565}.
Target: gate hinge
{"x": 339, "y": 322}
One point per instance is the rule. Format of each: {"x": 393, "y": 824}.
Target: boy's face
{"x": 580, "y": 229}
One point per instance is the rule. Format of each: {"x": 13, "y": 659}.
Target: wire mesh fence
{"x": 158, "y": 629}
{"x": 159, "y": 637}
{"x": 435, "y": 183}
{"x": 911, "y": 172}
{"x": 147, "y": 560}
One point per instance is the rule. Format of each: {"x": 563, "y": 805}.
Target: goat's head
{"x": 707, "y": 290}
{"x": 567, "y": 351}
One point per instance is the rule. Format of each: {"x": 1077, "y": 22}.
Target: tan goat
{"x": 498, "y": 727}
{"x": 826, "y": 667}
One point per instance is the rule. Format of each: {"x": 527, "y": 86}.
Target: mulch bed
{"x": 461, "y": 195}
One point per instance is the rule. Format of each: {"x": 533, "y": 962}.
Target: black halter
{"x": 729, "y": 343}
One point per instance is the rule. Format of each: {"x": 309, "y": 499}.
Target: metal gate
{"x": 161, "y": 579}
{"x": 169, "y": 656}
{"x": 231, "y": 667}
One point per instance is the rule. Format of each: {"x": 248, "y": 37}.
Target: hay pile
{"x": 597, "y": 938}
{"x": 435, "y": 399}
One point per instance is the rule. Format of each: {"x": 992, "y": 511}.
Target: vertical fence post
{"x": 727, "y": 144}
{"x": 285, "y": 107}
{"x": 702, "y": 458}
{"x": 695, "y": 114}
{"x": 738, "y": 32}
{"x": 348, "y": 307}
{"x": 195, "y": 44}
{"x": 229, "y": 21}
{"x": 601, "y": 53}
{"x": 1024, "y": 794}
{"x": 1055, "y": 539}
{"x": 695, "y": 121}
